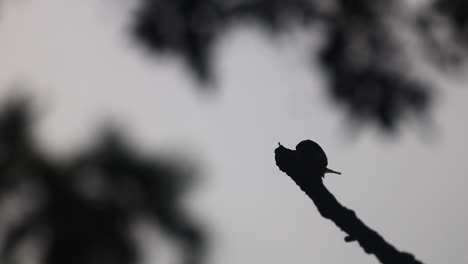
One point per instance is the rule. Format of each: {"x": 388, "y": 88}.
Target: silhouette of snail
{"x": 306, "y": 166}
{"x": 308, "y": 158}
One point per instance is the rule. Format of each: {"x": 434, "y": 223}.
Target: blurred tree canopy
{"x": 364, "y": 56}
{"x": 83, "y": 209}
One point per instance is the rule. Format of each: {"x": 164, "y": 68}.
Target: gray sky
{"x": 412, "y": 188}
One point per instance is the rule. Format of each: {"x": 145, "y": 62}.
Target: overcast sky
{"x": 83, "y": 67}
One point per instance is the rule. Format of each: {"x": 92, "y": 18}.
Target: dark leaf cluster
{"x": 362, "y": 57}
{"x": 85, "y": 207}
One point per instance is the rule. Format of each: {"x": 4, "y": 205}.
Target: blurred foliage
{"x": 456, "y": 11}
{"x": 369, "y": 70}
{"x": 181, "y": 26}
{"x": 366, "y": 65}
{"x": 84, "y": 209}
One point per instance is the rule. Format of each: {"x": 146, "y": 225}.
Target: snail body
{"x": 308, "y": 158}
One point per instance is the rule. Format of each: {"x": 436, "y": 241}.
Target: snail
{"x": 308, "y": 158}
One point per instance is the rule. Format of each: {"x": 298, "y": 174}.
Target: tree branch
{"x": 346, "y": 219}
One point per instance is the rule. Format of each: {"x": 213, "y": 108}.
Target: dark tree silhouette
{"x": 88, "y": 204}
{"x": 456, "y": 12}
{"x": 365, "y": 60}
{"x": 306, "y": 166}
{"x": 187, "y": 27}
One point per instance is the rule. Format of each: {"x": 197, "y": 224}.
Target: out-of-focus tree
{"x": 364, "y": 56}
{"x": 84, "y": 209}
